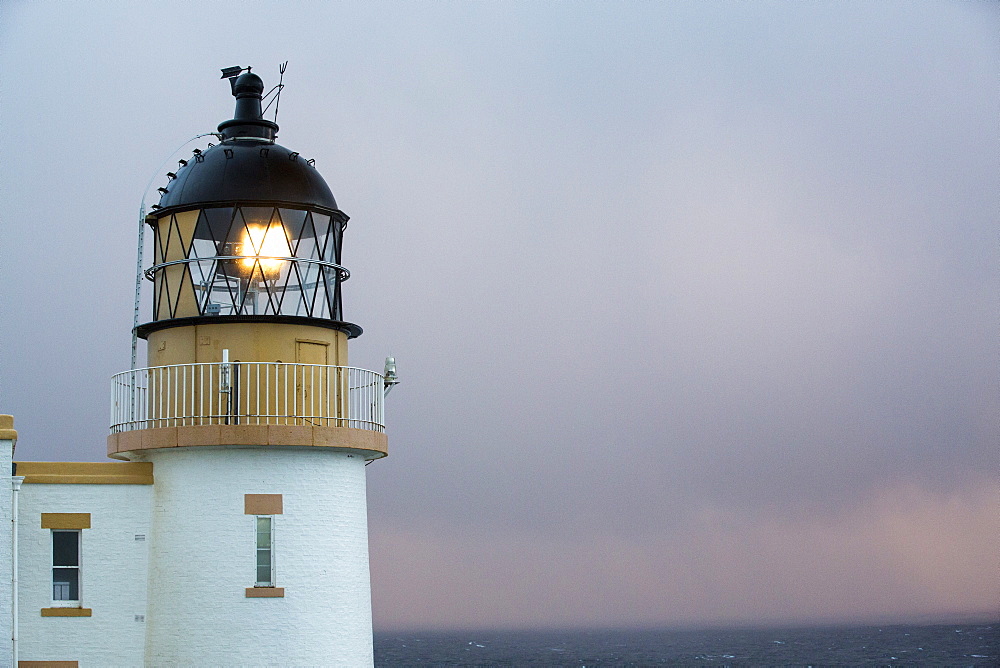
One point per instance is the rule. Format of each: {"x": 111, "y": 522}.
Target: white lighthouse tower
{"x": 257, "y": 427}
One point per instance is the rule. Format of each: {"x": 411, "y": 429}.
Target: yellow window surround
{"x": 66, "y": 612}
{"x": 65, "y": 520}
{"x": 262, "y": 504}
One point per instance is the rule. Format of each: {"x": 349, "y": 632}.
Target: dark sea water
{"x": 941, "y": 645}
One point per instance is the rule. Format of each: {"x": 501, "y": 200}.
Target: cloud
{"x": 903, "y": 549}
{"x": 664, "y": 282}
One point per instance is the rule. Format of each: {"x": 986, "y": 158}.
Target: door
{"x": 313, "y": 384}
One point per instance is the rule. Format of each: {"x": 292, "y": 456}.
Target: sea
{"x": 897, "y": 645}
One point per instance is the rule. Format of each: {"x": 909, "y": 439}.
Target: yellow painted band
{"x": 66, "y": 612}
{"x": 369, "y": 444}
{"x": 262, "y": 504}
{"x": 7, "y": 431}
{"x": 265, "y": 592}
{"x": 65, "y": 520}
{"x": 86, "y": 473}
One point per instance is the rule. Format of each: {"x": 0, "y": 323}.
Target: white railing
{"x": 247, "y": 393}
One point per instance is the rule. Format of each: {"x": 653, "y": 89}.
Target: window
{"x": 66, "y": 530}
{"x": 65, "y": 568}
{"x": 265, "y": 551}
{"x": 263, "y": 508}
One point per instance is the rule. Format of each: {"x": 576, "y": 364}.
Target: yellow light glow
{"x": 261, "y": 242}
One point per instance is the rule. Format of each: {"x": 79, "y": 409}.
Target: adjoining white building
{"x": 233, "y": 532}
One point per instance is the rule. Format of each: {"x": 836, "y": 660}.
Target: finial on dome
{"x": 248, "y": 120}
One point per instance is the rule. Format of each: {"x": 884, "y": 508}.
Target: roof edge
{"x": 85, "y": 473}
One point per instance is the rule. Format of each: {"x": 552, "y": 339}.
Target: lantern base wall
{"x": 248, "y": 342}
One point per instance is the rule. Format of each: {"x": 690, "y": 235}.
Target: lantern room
{"x": 247, "y": 230}
{"x": 247, "y": 326}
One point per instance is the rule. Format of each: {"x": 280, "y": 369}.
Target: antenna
{"x": 277, "y": 98}
{"x": 141, "y": 241}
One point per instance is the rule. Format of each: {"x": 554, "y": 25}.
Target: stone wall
{"x": 114, "y": 553}
{"x": 203, "y": 559}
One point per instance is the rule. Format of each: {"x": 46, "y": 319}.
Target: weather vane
{"x": 232, "y": 72}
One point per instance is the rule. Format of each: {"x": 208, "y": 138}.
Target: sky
{"x": 694, "y": 304}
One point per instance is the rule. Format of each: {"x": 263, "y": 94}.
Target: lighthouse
{"x": 256, "y": 427}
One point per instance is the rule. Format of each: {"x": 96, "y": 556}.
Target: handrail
{"x": 247, "y": 393}
{"x": 343, "y": 271}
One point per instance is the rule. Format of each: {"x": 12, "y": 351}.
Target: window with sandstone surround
{"x": 66, "y": 531}
{"x": 264, "y": 508}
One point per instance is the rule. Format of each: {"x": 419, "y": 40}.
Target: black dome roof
{"x": 248, "y": 170}
{"x": 247, "y": 167}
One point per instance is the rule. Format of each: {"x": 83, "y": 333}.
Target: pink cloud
{"x": 906, "y": 553}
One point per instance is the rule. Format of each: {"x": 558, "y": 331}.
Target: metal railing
{"x": 248, "y": 393}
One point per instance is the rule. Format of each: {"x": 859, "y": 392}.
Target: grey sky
{"x": 695, "y": 304}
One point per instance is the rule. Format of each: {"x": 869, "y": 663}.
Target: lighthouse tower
{"x": 257, "y": 427}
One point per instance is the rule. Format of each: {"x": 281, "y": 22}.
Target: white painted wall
{"x": 112, "y": 575}
{"x": 6, "y": 556}
{"x": 203, "y": 558}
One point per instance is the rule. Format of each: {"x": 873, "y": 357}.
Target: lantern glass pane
{"x": 250, "y": 260}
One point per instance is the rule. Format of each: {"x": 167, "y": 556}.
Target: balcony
{"x": 248, "y": 394}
